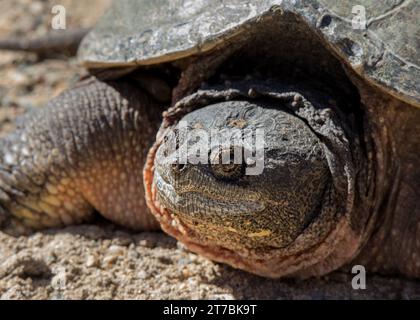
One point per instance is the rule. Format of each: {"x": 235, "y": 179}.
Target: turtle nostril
{"x": 177, "y": 167}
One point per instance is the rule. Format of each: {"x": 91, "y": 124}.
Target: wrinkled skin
{"x": 224, "y": 205}
{"x": 361, "y": 215}
{"x": 56, "y": 170}
{"x": 342, "y": 189}
{"x": 262, "y": 223}
{"x": 83, "y": 152}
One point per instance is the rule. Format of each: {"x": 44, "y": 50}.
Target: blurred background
{"x": 26, "y": 81}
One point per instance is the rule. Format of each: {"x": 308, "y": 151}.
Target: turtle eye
{"x": 227, "y": 164}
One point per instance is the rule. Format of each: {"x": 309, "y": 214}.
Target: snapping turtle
{"x": 336, "y": 105}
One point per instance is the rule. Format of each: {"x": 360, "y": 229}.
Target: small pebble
{"x": 133, "y": 254}
{"x": 91, "y": 261}
{"x": 116, "y": 250}
{"x": 109, "y": 260}
{"x": 222, "y": 296}
{"x": 147, "y": 243}
{"x": 252, "y": 93}
{"x": 59, "y": 281}
{"x": 181, "y": 246}
{"x": 297, "y": 98}
{"x": 142, "y": 275}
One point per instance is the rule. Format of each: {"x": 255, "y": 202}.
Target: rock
{"x": 181, "y": 246}
{"x": 92, "y": 261}
{"x": 147, "y": 243}
{"x": 222, "y": 296}
{"x": 109, "y": 260}
{"x": 36, "y": 8}
{"x": 116, "y": 250}
{"x": 133, "y": 254}
{"x": 59, "y": 281}
{"x": 142, "y": 275}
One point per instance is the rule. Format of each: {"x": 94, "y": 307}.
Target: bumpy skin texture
{"x": 379, "y": 225}
{"x": 212, "y": 196}
{"x": 394, "y": 242}
{"x": 87, "y": 148}
{"x": 372, "y": 198}
{"x": 84, "y": 151}
{"x": 294, "y": 218}
{"x": 368, "y": 211}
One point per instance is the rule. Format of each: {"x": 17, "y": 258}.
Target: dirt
{"x": 102, "y": 261}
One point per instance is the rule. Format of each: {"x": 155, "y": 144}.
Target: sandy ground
{"x": 102, "y": 261}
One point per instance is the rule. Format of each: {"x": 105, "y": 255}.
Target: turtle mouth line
{"x": 197, "y": 204}
{"x": 272, "y": 263}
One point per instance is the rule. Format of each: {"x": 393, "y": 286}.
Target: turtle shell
{"x": 379, "y": 42}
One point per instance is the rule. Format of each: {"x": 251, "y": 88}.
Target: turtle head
{"x": 242, "y": 174}
{"x": 254, "y": 180}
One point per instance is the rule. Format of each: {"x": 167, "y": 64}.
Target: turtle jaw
{"x": 179, "y": 201}
{"x": 325, "y": 244}
{"x": 296, "y": 261}
{"x": 216, "y": 220}
{"x": 172, "y": 225}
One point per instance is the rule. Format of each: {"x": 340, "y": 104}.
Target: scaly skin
{"x": 294, "y": 217}
{"x": 84, "y": 151}
{"x": 368, "y": 208}
{"x": 87, "y": 148}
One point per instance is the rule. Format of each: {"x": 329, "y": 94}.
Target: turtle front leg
{"x": 85, "y": 150}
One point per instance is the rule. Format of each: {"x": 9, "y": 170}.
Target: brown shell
{"x": 143, "y": 32}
